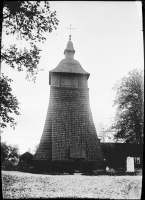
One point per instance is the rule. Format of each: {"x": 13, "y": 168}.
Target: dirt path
{"x": 26, "y": 185}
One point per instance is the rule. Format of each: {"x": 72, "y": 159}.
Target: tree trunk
{"x": 1, "y": 19}
{"x": 143, "y": 23}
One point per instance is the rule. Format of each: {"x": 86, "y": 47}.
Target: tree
{"x": 104, "y": 133}
{"x": 143, "y": 23}
{"x": 101, "y": 131}
{"x": 33, "y": 151}
{"x": 9, "y": 103}
{"x": 129, "y": 102}
{"x": 35, "y": 148}
{"x": 27, "y": 21}
{"x": 9, "y": 151}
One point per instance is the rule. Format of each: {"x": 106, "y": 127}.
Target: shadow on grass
{"x": 23, "y": 167}
{"x": 113, "y": 173}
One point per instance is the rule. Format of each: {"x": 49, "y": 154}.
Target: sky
{"x": 108, "y": 43}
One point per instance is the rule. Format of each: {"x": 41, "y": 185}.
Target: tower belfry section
{"x": 69, "y": 138}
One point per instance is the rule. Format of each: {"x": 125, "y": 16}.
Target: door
{"x": 77, "y": 164}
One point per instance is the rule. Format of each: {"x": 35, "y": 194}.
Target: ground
{"x": 26, "y": 185}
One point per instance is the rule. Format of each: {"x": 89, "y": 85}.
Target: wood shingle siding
{"x": 69, "y": 131}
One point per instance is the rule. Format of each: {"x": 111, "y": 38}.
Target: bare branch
{"x": 4, "y": 17}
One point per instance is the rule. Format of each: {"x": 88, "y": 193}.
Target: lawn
{"x": 26, "y": 185}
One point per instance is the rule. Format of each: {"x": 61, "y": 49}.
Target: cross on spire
{"x": 70, "y": 32}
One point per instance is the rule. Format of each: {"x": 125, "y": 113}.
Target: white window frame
{"x": 137, "y": 160}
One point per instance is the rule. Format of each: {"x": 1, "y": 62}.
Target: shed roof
{"x": 27, "y": 154}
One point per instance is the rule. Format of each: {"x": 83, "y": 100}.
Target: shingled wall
{"x": 69, "y": 130}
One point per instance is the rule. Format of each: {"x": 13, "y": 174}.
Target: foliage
{"x": 129, "y": 100}
{"x": 28, "y": 58}
{"x": 9, "y": 152}
{"x": 104, "y": 133}
{"x": 34, "y": 149}
{"x": 23, "y": 167}
{"x": 115, "y": 172}
{"x": 9, "y": 103}
{"x": 28, "y": 20}
{"x": 7, "y": 165}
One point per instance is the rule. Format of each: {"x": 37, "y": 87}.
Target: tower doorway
{"x": 77, "y": 164}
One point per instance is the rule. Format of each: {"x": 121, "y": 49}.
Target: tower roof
{"x": 69, "y": 64}
{"x": 69, "y": 44}
{"x": 69, "y": 47}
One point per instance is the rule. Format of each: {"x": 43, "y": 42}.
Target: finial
{"x": 70, "y": 32}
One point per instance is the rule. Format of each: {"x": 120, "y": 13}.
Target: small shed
{"x": 26, "y": 157}
{"x": 116, "y": 154}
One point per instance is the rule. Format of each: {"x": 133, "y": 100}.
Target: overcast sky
{"x": 108, "y": 43}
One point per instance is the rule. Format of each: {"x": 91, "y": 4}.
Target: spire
{"x": 70, "y": 37}
{"x": 70, "y": 32}
{"x": 69, "y": 51}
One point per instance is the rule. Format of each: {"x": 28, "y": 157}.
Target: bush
{"x": 23, "y": 167}
{"x": 117, "y": 172}
{"x": 112, "y": 171}
{"x": 8, "y": 165}
{"x": 138, "y": 171}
